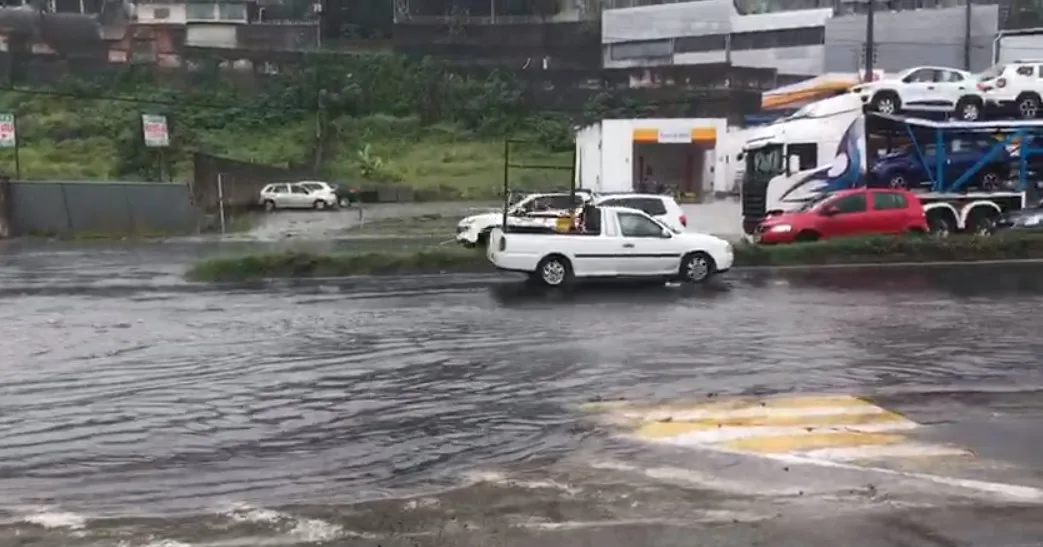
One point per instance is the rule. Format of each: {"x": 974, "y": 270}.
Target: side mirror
{"x": 830, "y": 210}
{"x": 665, "y": 234}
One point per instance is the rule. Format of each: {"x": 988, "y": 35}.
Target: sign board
{"x": 675, "y": 135}
{"x": 154, "y": 129}
{"x": 8, "y": 138}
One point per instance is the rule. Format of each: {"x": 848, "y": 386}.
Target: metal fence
{"x": 84, "y": 207}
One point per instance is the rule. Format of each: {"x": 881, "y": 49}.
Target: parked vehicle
{"x": 847, "y": 213}
{"x": 910, "y": 168}
{"x": 660, "y": 207}
{"x": 1025, "y": 219}
{"x": 613, "y": 243}
{"x": 285, "y": 195}
{"x": 923, "y": 88}
{"x": 534, "y": 210}
{"x": 325, "y": 191}
{"x": 1012, "y": 88}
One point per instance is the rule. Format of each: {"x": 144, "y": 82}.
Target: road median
{"x": 452, "y": 259}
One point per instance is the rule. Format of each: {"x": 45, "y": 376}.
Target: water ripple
{"x": 172, "y": 399}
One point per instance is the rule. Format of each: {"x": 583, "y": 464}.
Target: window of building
{"x": 231, "y": 12}
{"x": 694, "y": 44}
{"x": 641, "y": 50}
{"x": 200, "y": 12}
{"x": 767, "y": 39}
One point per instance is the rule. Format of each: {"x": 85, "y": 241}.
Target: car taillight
{"x": 982, "y": 87}
{"x": 684, "y": 221}
{"x": 1002, "y": 82}
{"x": 503, "y": 244}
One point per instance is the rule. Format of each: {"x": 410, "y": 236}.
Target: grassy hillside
{"x": 384, "y": 120}
{"x": 64, "y": 138}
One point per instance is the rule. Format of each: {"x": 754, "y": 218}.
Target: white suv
{"x": 663, "y": 208}
{"x": 1014, "y": 88}
{"x": 924, "y": 88}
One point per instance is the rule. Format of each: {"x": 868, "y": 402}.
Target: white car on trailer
{"x": 616, "y": 243}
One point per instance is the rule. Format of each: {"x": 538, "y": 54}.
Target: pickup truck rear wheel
{"x": 554, "y": 271}
{"x": 697, "y": 267}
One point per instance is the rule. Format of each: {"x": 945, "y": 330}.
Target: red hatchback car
{"x": 859, "y": 212}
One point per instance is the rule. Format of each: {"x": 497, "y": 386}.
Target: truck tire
{"x": 981, "y": 220}
{"x": 886, "y": 102}
{"x": 697, "y": 268}
{"x": 554, "y": 271}
{"x": 940, "y": 223}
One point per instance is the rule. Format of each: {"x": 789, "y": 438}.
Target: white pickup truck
{"x": 615, "y": 242}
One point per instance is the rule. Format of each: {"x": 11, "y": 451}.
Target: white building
{"x": 713, "y": 31}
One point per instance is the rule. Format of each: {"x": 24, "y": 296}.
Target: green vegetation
{"x": 456, "y": 260}
{"x": 362, "y": 120}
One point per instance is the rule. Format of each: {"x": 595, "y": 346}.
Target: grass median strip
{"x": 452, "y": 259}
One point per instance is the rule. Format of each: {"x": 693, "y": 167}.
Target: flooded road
{"x": 137, "y": 409}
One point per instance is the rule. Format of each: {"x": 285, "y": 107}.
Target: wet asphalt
{"x": 141, "y": 410}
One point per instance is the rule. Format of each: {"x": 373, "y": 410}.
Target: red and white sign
{"x": 154, "y": 129}
{"x": 8, "y": 136}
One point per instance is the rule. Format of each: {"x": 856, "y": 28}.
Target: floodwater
{"x": 139, "y": 410}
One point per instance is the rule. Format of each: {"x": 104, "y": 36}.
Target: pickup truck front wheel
{"x": 697, "y": 268}
{"x": 554, "y": 271}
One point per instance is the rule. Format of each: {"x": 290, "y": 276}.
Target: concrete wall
{"x": 70, "y": 207}
{"x": 911, "y": 38}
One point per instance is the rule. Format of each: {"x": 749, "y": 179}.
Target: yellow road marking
{"x": 784, "y": 444}
{"x": 836, "y": 401}
{"x": 841, "y": 427}
{"x": 680, "y": 427}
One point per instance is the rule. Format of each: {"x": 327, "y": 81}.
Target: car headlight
{"x": 780, "y": 228}
{"x": 1032, "y": 221}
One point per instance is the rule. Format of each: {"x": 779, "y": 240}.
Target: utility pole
{"x": 967, "y": 35}
{"x": 870, "y": 39}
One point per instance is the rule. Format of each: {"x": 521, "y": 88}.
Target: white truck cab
{"x": 533, "y": 210}
{"x": 614, "y": 242}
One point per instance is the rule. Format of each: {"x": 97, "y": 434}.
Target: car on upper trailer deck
{"x": 611, "y": 243}
{"x": 923, "y": 89}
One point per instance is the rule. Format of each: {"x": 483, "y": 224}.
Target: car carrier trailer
{"x": 949, "y": 197}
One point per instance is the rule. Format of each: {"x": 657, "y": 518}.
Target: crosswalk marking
{"x": 830, "y": 427}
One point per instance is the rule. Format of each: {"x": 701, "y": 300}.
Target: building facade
{"x": 714, "y": 31}
{"x": 910, "y": 38}
{"x": 794, "y": 40}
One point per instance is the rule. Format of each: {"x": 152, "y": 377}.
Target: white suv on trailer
{"x": 926, "y": 89}
{"x": 1014, "y": 88}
